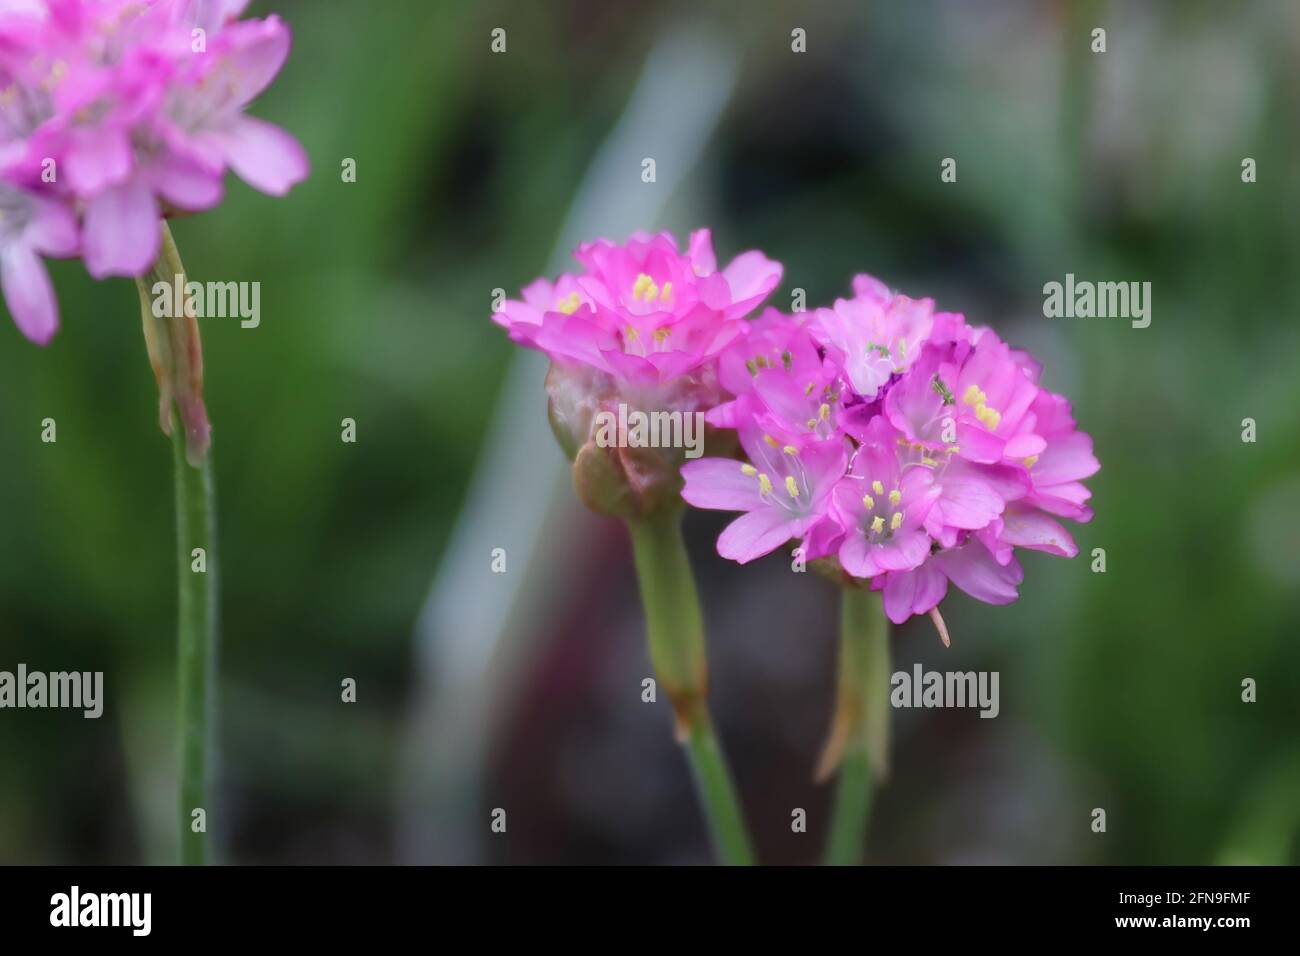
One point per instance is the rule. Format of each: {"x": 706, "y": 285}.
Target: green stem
{"x": 196, "y": 641}
{"x": 860, "y": 731}
{"x": 176, "y": 354}
{"x": 675, "y": 630}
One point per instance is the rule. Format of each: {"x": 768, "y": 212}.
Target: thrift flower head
{"x": 926, "y": 451}
{"x": 641, "y": 325}
{"x": 643, "y": 313}
{"x": 114, "y": 113}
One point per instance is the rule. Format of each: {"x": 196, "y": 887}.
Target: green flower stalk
{"x": 635, "y": 339}
{"x": 675, "y": 632}
{"x": 858, "y": 744}
{"x": 642, "y": 486}
{"x": 176, "y": 354}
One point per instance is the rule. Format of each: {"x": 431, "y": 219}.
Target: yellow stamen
{"x": 877, "y": 524}
{"x": 809, "y": 390}
{"x": 666, "y": 292}
{"x": 764, "y": 484}
{"x": 895, "y": 497}
{"x": 896, "y": 521}
{"x": 1029, "y": 462}
{"x": 770, "y": 441}
{"x": 973, "y": 395}
{"x": 661, "y": 335}
{"x": 631, "y": 334}
{"x": 877, "y": 487}
{"x": 824, "y": 412}
{"x": 645, "y": 288}
{"x": 870, "y": 502}
{"x": 989, "y": 416}
{"x": 812, "y": 424}
{"x": 791, "y": 487}
{"x": 791, "y": 450}
{"x": 748, "y": 470}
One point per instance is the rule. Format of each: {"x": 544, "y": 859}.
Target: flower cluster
{"x": 900, "y": 446}
{"x": 114, "y": 113}
{"x": 642, "y": 314}
{"x": 643, "y": 325}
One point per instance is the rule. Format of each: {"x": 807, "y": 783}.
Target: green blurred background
{"x": 1119, "y": 690}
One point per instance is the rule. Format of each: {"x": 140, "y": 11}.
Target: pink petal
{"x": 263, "y": 155}
{"x": 720, "y": 483}
{"x": 904, "y": 551}
{"x": 98, "y": 159}
{"x": 184, "y": 183}
{"x": 53, "y": 229}
{"x": 752, "y": 276}
{"x": 913, "y": 592}
{"x": 255, "y": 50}
{"x": 823, "y": 538}
{"x": 978, "y": 444}
{"x": 965, "y": 502}
{"x": 1035, "y": 530}
{"x": 1068, "y": 458}
{"x": 755, "y": 534}
{"x": 122, "y": 233}
{"x": 857, "y": 556}
{"x": 513, "y": 312}
{"x": 29, "y": 293}
{"x": 975, "y": 571}
{"x": 703, "y": 261}
{"x": 1022, "y": 446}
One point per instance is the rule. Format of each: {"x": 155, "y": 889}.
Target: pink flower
{"x": 32, "y": 226}
{"x": 127, "y": 110}
{"x": 780, "y": 366}
{"x": 877, "y": 333}
{"x": 784, "y": 489}
{"x": 641, "y": 312}
{"x": 881, "y": 510}
{"x": 638, "y": 331}
{"x": 942, "y": 452}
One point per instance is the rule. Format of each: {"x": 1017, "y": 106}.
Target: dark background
{"x": 522, "y": 691}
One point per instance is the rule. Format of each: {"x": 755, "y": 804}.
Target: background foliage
{"x": 1119, "y": 690}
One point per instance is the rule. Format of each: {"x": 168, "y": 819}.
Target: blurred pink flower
{"x": 127, "y": 110}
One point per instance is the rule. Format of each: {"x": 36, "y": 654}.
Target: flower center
{"x": 881, "y": 521}
{"x": 645, "y": 290}
{"x": 782, "y": 482}
{"x": 987, "y": 414}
